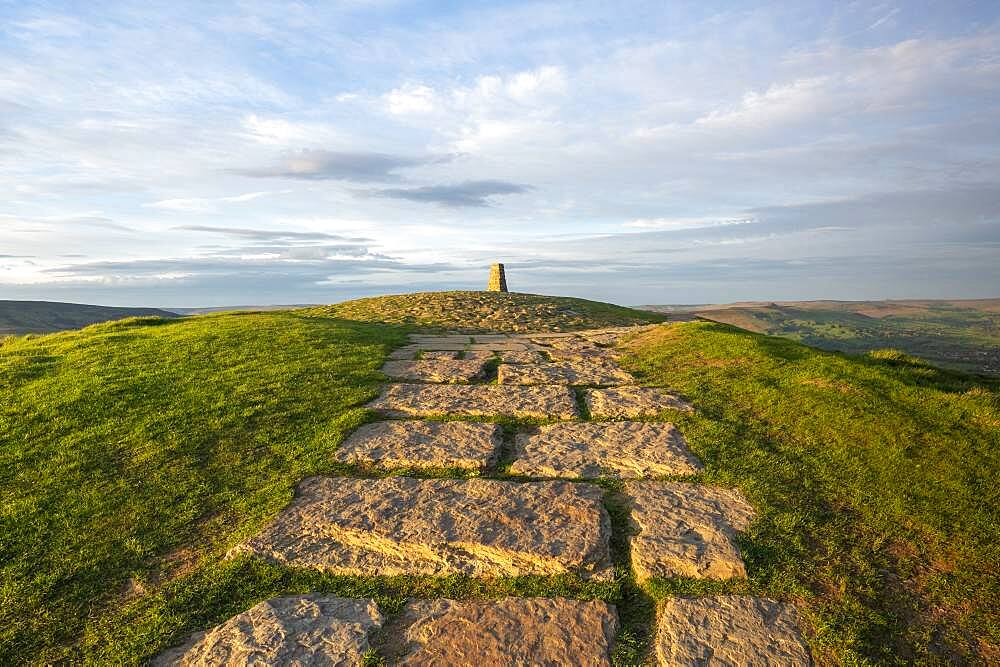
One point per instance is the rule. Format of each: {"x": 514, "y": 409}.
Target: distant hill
{"x": 226, "y": 309}
{"x": 21, "y": 317}
{"x": 963, "y": 334}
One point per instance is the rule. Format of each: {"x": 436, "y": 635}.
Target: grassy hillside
{"x": 875, "y": 479}
{"x": 962, "y": 334}
{"x": 487, "y": 311}
{"x": 134, "y": 454}
{"x": 21, "y": 317}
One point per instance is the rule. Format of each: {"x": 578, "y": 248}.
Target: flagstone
{"x": 296, "y": 630}
{"x": 578, "y": 372}
{"x": 632, "y": 402}
{"x": 423, "y": 444}
{"x": 629, "y": 450}
{"x": 508, "y": 631}
{"x": 544, "y": 402}
{"x": 686, "y": 530}
{"x": 435, "y": 370}
{"x": 438, "y": 527}
{"x": 729, "y": 631}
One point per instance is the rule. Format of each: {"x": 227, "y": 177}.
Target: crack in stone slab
{"x": 477, "y": 527}
{"x": 629, "y": 450}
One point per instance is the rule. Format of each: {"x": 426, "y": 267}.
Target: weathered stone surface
{"x": 423, "y": 444}
{"x": 435, "y": 370}
{"x": 563, "y": 372}
{"x": 407, "y": 352}
{"x": 629, "y": 450}
{"x": 729, "y": 630}
{"x": 499, "y": 347}
{"x": 439, "y": 354}
{"x": 479, "y": 354}
{"x": 444, "y": 343}
{"x": 478, "y": 527}
{"x": 525, "y": 357}
{"x": 428, "y": 399}
{"x": 510, "y": 631}
{"x": 686, "y": 530}
{"x": 632, "y": 402}
{"x": 297, "y": 630}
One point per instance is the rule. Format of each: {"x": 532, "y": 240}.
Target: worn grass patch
{"x": 874, "y": 479}
{"x": 476, "y": 312}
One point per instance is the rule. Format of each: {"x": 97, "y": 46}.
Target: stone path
{"x": 508, "y": 527}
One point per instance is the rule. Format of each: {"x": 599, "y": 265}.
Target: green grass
{"x": 140, "y": 449}
{"x": 875, "y": 482}
{"x": 472, "y": 312}
{"x": 134, "y": 454}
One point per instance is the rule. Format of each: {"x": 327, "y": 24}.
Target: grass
{"x": 474, "y": 312}
{"x": 875, "y": 482}
{"x": 134, "y": 454}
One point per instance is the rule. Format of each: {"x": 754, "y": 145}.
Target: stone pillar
{"x": 498, "y": 280}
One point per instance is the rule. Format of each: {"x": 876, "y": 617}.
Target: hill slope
{"x": 959, "y": 334}
{"x": 474, "y": 312}
{"x": 21, "y": 317}
{"x": 134, "y": 454}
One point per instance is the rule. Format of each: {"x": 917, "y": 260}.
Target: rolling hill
{"x": 958, "y": 334}
{"x": 135, "y": 454}
{"x": 21, "y": 317}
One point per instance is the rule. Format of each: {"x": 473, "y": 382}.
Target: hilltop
{"x": 478, "y": 312}
{"x": 135, "y": 454}
{"x": 21, "y": 317}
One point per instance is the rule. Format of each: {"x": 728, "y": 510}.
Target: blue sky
{"x": 191, "y": 153}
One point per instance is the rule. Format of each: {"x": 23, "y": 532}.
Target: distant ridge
{"x": 21, "y": 317}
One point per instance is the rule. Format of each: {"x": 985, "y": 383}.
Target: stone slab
{"x": 686, "y": 530}
{"x": 439, "y": 527}
{"x": 429, "y": 355}
{"x": 435, "y": 370}
{"x": 407, "y": 352}
{"x": 525, "y": 357}
{"x": 423, "y": 444}
{"x": 499, "y": 347}
{"x": 562, "y": 372}
{"x": 295, "y": 630}
{"x": 479, "y": 354}
{"x": 509, "y": 631}
{"x": 544, "y": 402}
{"x": 729, "y": 631}
{"x": 623, "y": 450}
{"x": 632, "y": 402}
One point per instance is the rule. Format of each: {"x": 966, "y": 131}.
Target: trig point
{"x": 498, "y": 281}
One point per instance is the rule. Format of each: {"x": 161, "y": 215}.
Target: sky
{"x": 228, "y": 153}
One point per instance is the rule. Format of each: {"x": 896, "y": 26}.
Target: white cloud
{"x": 410, "y": 99}
{"x": 204, "y": 204}
{"x": 668, "y": 224}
